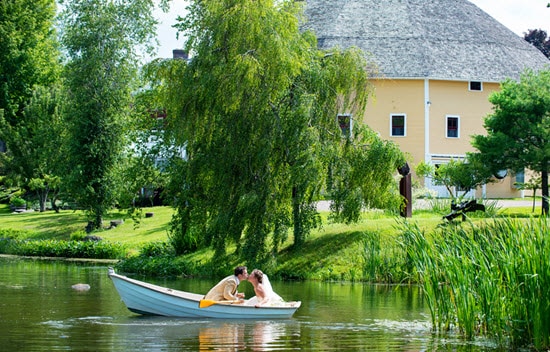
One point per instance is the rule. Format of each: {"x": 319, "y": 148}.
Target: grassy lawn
{"x": 52, "y": 225}
{"x": 332, "y": 252}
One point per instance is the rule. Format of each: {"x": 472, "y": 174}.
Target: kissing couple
{"x": 226, "y": 289}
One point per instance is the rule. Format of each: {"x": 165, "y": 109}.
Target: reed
{"x": 371, "y": 255}
{"x": 491, "y": 279}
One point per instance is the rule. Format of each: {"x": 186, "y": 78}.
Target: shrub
{"x": 156, "y": 249}
{"x": 17, "y": 202}
{"x": 15, "y": 234}
{"x": 78, "y": 235}
{"x": 165, "y": 266}
{"x": 68, "y": 249}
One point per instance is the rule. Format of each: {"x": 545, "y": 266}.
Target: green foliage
{"x": 67, "y": 249}
{"x": 35, "y": 156}
{"x": 142, "y": 174}
{"x": 256, "y": 112}
{"x": 457, "y": 176}
{"x": 78, "y": 235}
{"x": 29, "y": 53}
{"x": 492, "y": 209}
{"x": 17, "y": 202}
{"x": 442, "y": 206}
{"x": 102, "y": 39}
{"x": 163, "y": 266}
{"x": 363, "y": 176}
{"x": 534, "y": 184}
{"x": 518, "y": 129}
{"x": 490, "y": 279}
{"x": 156, "y": 249}
{"x": 157, "y": 259}
{"x": 14, "y": 234}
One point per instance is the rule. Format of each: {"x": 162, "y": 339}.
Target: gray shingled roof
{"x": 436, "y": 39}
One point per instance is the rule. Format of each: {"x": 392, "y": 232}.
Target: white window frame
{"x": 475, "y": 90}
{"x": 350, "y": 131}
{"x": 447, "y": 117}
{"x": 404, "y": 125}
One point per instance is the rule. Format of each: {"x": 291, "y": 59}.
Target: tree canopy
{"x": 102, "y": 39}
{"x": 459, "y": 176}
{"x": 256, "y": 111}
{"x": 518, "y": 131}
{"x": 29, "y": 52}
{"x": 539, "y": 39}
{"x": 34, "y": 158}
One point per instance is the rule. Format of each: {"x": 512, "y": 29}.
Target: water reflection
{"x": 227, "y": 337}
{"x": 252, "y": 336}
{"x": 39, "y": 311}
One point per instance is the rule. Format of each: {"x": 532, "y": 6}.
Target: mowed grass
{"x": 60, "y": 226}
{"x": 367, "y": 250}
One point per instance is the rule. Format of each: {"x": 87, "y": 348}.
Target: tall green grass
{"x": 491, "y": 279}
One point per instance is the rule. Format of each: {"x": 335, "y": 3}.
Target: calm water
{"x": 39, "y": 311}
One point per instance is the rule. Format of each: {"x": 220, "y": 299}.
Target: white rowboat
{"x": 148, "y": 299}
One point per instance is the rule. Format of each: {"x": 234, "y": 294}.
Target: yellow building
{"x": 437, "y": 62}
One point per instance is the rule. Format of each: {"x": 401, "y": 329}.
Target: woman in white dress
{"x": 265, "y": 296}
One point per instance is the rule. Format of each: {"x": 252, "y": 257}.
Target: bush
{"x": 66, "y": 249}
{"x": 17, "y": 202}
{"x": 14, "y": 234}
{"x": 165, "y": 266}
{"x": 157, "y": 249}
{"x": 78, "y": 235}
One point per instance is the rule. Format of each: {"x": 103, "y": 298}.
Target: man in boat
{"x": 226, "y": 289}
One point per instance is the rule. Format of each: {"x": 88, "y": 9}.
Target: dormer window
{"x": 476, "y": 86}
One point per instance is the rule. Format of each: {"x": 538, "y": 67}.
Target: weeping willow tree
{"x": 256, "y": 111}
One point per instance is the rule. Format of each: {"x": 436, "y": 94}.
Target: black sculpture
{"x": 462, "y": 208}
{"x": 405, "y": 190}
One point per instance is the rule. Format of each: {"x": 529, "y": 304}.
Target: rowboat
{"x": 148, "y": 299}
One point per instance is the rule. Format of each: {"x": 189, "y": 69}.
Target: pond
{"x": 39, "y": 311}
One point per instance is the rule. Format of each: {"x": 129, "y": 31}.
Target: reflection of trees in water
{"x": 255, "y": 336}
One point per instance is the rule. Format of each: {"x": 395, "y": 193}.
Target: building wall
{"x": 455, "y": 99}
{"x": 396, "y": 97}
{"x": 430, "y": 102}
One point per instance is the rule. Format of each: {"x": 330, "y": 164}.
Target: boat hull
{"x": 148, "y": 299}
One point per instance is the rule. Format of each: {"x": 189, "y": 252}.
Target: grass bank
{"x": 370, "y": 250}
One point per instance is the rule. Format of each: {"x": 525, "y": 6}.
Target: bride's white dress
{"x": 273, "y": 299}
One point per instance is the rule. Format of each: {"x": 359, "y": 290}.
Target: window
{"x": 453, "y": 125}
{"x": 398, "y": 127}
{"x": 346, "y": 124}
{"x": 476, "y": 86}
{"x": 518, "y": 179}
{"x": 520, "y": 176}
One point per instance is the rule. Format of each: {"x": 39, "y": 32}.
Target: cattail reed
{"x": 491, "y": 279}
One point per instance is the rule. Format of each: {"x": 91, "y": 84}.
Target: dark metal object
{"x": 405, "y": 189}
{"x": 462, "y": 208}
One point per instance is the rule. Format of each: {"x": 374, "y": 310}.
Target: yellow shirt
{"x": 225, "y": 290}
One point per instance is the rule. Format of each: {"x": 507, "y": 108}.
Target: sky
{"x": 517, "y": 15}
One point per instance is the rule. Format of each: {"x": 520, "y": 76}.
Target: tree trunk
{"x": 53, "y": 201}
{"x": 42, "y": 198}
{"x": 297, "y": 219}
{"x": 544, "y": 177}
